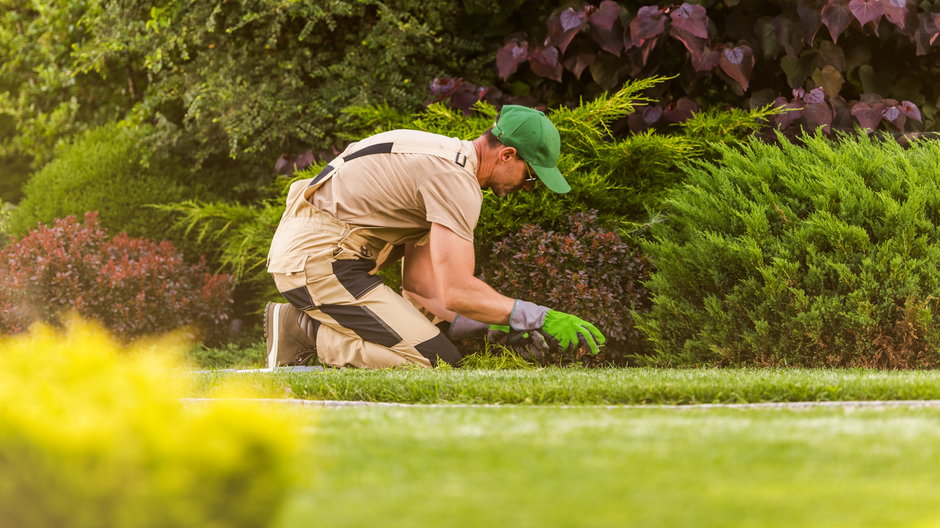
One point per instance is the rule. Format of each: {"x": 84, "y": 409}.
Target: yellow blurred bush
{"x": 93, "y": 434}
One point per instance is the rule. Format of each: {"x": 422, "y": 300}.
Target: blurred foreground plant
{"x": 96, "y": 435}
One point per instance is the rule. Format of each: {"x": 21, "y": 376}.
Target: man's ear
{"x": 507, "y": 153}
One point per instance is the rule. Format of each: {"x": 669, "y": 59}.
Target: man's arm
{"x": 440, "y": 276}
{"x": 453, "y": 261}
{"x": 418, "y": 280}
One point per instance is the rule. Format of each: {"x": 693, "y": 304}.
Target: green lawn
{"x": 522, "y": 466}
{"x": 525, "y": 460}
{"x": 600, "y": 386}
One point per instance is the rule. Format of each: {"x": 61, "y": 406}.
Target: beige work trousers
{"x": 331, "y": 277}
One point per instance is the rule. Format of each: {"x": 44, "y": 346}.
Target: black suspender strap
{"x": 384, "y": 148}
{"x": 378, "y": 148}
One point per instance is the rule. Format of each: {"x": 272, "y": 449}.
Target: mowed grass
{"x": 529, "y": 466}
{"x": 599, "y": 386}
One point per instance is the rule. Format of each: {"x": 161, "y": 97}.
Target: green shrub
{"x": 99, "y": 437}
{"x": 242, "y": 234}
{"x": 826, "y": 254}
{"x": 108, "y": 170}
{"x": 6, "y": 212}
{"x": 15, "y": 171}
{"x": 246, "y": 80}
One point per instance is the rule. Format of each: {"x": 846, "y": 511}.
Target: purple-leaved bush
{"x": 583, "y": 269}
{"x": 132, "y": 286}
{"x": 834, "y": 64}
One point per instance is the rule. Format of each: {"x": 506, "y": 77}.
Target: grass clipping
{"x": 95, "y": 434}
{"x": 495, "y": 357}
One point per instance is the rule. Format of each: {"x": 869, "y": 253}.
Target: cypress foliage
{"x": 622, "y": 178}
{"x": 824, "y": 254}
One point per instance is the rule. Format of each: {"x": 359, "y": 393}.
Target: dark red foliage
{"x": 132, "y": 286}
{"x": 289, "y": 164}
{"x": 566, "y": 24}
{"x": 606, "y": 27}
{"x": 582, "y": 269}
{"x": 731, "y": 53}
{"x": 738, "y": 63}
{"x": 544, "y": 61}
{"x": 836, "y": 16}
{"x": 508, "y": 58}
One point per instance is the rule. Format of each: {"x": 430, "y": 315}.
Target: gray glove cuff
{"x": 527, "y": 316}
{"x": 462, "y": 328}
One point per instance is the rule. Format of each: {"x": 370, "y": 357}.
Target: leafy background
{"x": 186, "y": 120}
{"x": 836, "y": 63}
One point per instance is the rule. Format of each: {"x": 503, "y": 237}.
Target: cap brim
{"x": 552, "y": 178}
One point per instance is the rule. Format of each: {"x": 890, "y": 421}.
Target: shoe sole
{"x": 271, "y": 331}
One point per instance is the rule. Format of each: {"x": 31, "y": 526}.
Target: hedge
{"x": 823, "y": 254}
{"x": 110, "y": 170}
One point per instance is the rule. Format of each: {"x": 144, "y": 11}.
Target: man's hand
{"x": 465, "y": 328}
{"x": 563, "y": 332}
{"x": 531, "y": 346}
{"x": 570, "y": 332}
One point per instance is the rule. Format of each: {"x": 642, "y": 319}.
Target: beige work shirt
{"x": 397, "y": 195}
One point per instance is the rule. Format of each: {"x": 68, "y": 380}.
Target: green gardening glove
{"x": 563, "y": 332}
{"x": 571, "y": 332}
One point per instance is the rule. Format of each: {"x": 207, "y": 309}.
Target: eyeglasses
{"x": 528, "y": 170}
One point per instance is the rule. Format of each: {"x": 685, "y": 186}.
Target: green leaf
{"x": 607, "y": 71}
{"x": 797, "y": 69}
{"x": 872, "y": 82}
{"x": 831, "y": 54}
{"x": 829, "y": 79}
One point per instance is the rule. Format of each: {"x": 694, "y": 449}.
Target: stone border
{"x": 692, "y": 406}
{"x": 259, "y": 370}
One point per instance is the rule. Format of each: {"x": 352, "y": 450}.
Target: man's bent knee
{"x": 439, "y": 348}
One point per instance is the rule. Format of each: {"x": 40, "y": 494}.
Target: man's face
{"x": 510, "y": 174}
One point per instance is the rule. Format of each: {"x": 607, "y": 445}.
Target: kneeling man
{"x": 415, "y": 195}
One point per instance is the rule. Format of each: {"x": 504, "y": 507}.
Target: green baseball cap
{"x": 536, "y": 140}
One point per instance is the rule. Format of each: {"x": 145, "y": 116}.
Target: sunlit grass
{"x": 600, "y": 386}
{"x": 591, "y": 467}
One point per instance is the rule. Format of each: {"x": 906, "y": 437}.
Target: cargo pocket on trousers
{"x": 291, "y": 281}
{"x": 354, "y": 276}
